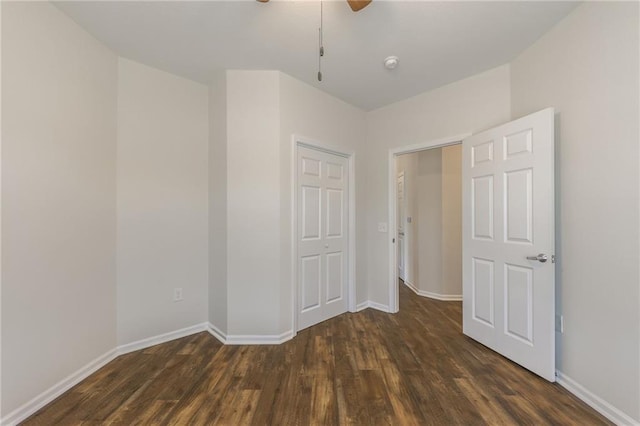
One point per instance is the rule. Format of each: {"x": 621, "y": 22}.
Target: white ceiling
{"x": 437, "y": 42}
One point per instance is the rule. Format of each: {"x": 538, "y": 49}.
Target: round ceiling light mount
{"x": 391, "y": 62}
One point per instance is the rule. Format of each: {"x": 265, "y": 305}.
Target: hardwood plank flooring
{"x": 369, "y": 368}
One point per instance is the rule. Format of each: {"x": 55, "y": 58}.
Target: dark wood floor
{"x": 368, "y": 368}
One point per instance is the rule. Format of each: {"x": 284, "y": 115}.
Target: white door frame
{"x": 393, "y": 196}
{"x": 297, "y": 141}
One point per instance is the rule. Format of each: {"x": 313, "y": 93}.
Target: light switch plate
{"x": 382, "y": 227}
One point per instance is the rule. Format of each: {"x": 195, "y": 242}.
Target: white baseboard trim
{"x": 436, "y": 296}
{"x": 362, "y": 306}
{"x": 31, "y": 407}
{"x": 161, "y": 338}
{"x": 248, "y": 339}
{"x": 375, "y": 305}
{"x": 600, "y": 405}
{"x": 412, "y": 287}
{"x": 442, "y": 297}
{"x": 378, "y": 306}
{"x": 217, "y": 333}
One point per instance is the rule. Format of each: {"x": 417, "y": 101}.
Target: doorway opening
{"x": 429, "y": 222}
{"x": 417, "y": 210}
{"x": 508, "y": 237}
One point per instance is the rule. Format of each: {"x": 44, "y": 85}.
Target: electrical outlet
{"x": 560, "y": 323}
{"x": 177, "y": 294}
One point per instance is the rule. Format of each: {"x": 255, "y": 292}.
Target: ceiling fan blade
{"x": 357, "y": 5}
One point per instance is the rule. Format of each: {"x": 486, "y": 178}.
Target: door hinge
{"x": 553, "y": 258}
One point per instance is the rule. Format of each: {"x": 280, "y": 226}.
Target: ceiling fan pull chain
{"x": 321, "y": 45}
{"x": 321, "y": 51}
{"x": 321, "y": 29}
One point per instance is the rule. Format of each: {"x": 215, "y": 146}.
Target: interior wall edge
{"x": 217, "y": 332}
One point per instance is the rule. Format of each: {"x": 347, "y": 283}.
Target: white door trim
{"x": 392, "y": 175}
{"x": 296, "y": 141}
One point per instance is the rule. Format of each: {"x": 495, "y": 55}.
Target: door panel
{"x": 508, "y": 216}
{"x": 335, "y": 213}
{"x": 322, "y": 213}
{"x": 310, "y": 212}
{"x": 310, "y": 282}
{"x": 335, "y": 171}
{"x": 310, "y": 166}
{"x": 402, "y": 248}
{"x": 518, "y": 287}
{"x": 482, "y": 291}
{"x": 518, "y": 205}
{"x": 482, "y": 207}
{"x": 335, "y": 282}
{"x": 481, "y": 153}
{"x": 401, "y": 254}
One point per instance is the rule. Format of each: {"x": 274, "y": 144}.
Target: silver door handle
{"x": 540, "y": 258}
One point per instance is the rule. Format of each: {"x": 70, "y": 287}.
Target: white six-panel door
{"x": 401, "y": 228}
{"x": 322, "y": 236}
{"x": 508, "y": 220}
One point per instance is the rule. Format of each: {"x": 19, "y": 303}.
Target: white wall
{"x": 253, "y": 202}
{"x": 429, "y": 177}
{"x": 58, "y": 199}
{"x": 433, "y": 179}
{"x": 306, "y": 111}
{"x": 162, "y": 201}
{"x": 451, "y": 220}
{"x": 587, "y": 68}
{"x": 218, "y": 201}
{"x": 470, "y": 105}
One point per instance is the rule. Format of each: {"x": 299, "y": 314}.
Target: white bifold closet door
{"x": 322, "y": 235}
